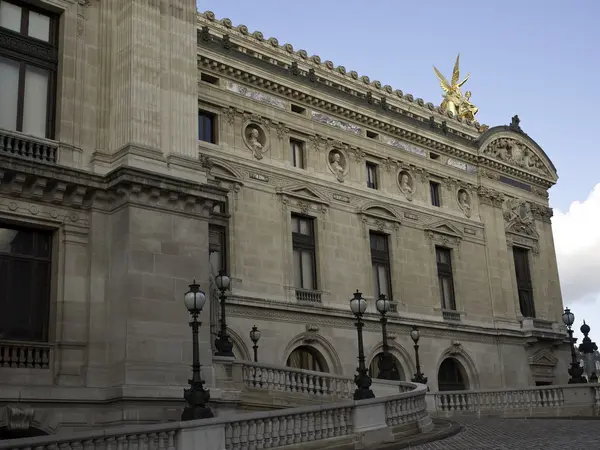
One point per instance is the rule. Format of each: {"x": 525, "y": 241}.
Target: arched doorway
{"x": 397, "y": 372}
{"x": 452, "y": 376}
{"x": 307, "y": 358}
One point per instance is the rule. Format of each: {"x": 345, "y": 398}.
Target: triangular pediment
{"x": 304, "y": 192}
{"x": 445, "y": 228}
{"x": 543, "y": 358}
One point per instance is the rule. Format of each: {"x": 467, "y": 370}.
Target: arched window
{"x": 397, "y": 373}
{"x": 6, "y": 433}
{"x": 307, "y": 358}
{"x": 452, "y": 376}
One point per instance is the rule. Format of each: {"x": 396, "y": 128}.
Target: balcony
{"x": 451, "y": 315}
{"x": 25, "y": 355}
{"x": 308, "y": 296}
{"x": 13, "y": 143}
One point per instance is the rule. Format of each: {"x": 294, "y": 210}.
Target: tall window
{"x": 434, "y": 190}
{"x": 307, "y": 358}
{"x": 524, "y": 287}
{"x": 206, "y": 127}
{"x": 297, "y": 156}
{"x": 372, "y": 176}
{"x": 25, "y": 260}
{"x": 217, "y": 248}
{"x": 380, "y": 262}
{"x": 443, "y": 258}
{"x": 28, "y": 61}
{"x": 303, "y": 242}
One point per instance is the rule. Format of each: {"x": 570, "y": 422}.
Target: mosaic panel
{"x": 324, "y": 118}
{"x": 256, "y": 95}
{"x": 461, "y": 165}
{"x": 405, "y": 146}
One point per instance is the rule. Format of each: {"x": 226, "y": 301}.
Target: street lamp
{"x": 196, "y": 396}
{"x": 587, "y": 348}
{"x": 254, "y": 337}
{"x": 576, "y": 371}
{"x": 358, "y": 306}
{"x": 419, "y": 376}
{"x": 386, "y": 365}
{"x": 223, "y": 343}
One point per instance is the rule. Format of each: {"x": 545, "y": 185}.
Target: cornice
{"x": 241, "y": 306}
{"x": 53, "y": 184}
{"x": 405, "y": 131}
{"x": 350, "y": 79}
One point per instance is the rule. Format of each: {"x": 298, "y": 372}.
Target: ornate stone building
{"x": 143, "y": 145}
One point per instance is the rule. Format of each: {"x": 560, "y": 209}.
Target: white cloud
{"x": 577, "y": 242}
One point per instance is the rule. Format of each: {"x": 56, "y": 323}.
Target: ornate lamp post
{"x": 358, "y": 306}
{"x": 587, "y": 348}
{"x": 576, "y": 371}
{"x": 254, "y": 337}
{"x": 386, "y": 365}
{"x": 222, "y": 343}
{"x": 196, "y": 396}
{"x": 419, "y": 376}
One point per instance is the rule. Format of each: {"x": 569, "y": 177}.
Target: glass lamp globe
{"x": 568, "y": 317}
{"x": 254, "y": 334}
{"x": 194, "y": 299}
{"x": 382, "y": 304}
{"x": 222, "y": 280}
{"x": 358, "y": 304}
{"x": 415, "y": 335}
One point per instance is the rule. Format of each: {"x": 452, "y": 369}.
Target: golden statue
{"x": 454, "y": 100}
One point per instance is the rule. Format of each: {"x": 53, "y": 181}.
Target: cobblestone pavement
{"x": 521, "y": 434}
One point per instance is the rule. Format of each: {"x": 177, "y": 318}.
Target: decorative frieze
{"x": 404, "y": 146}
{"x": 256, "y": 95}
{"x": 515, "y": 152}
{"x": 337, "y": 123}
{"x": 461, "y": 165}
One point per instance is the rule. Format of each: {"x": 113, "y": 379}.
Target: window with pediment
{"x": 28, "y": 64}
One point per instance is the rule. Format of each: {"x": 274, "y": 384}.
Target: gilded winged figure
{"x": 454, "y": 100}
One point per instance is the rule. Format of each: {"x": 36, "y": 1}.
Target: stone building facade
{"x": 143, "y": 145}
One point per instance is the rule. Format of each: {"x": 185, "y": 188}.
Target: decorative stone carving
{"x": 282, "y": 131}
{"x": 380, "y": 217}
{"x": 338, "y": 164}
{"x": 464, "y": 201}
{"x": 516, "y": 153}
{"x": 406, "y": 184}
{"x": 519, "y": 218}
{"x": 444, "y": 233}
{"x": 255, "y": 139}
{"x": 317, "y": 142}
{"x": 229, "y": 114}
{"x": 19, "y": 418}
{"x": 490, "y": 197}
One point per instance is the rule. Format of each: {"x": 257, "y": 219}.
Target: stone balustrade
{"x": 373, "y": 420}
{"x": 25, "y": 355}
{"x": 259, "y": 376}
{"x": 13, "y": 143}
{"x": 569, "y": 400}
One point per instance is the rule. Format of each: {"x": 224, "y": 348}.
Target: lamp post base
{"x": 363, "y": 384}
{"x": 419, "y": 378}
{"x": 224, "y": 347}
{"x": 197, "y": 398}
{"x": 576, "y": 372}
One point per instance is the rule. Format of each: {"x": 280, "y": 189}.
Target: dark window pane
{"x": 434, "y": 189}
{"x": 524, "y": 286}
{"x": 304, "y": 253}
{"x": 206, "y": 127}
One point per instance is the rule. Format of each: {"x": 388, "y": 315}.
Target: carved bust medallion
{"x": 464, "y": 201}
{"x": 338, "y": 164}
{"x": 406, "y": 184}
{"x": 255, "y": 139}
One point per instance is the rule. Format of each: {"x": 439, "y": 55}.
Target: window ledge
{"x": 21, "y": 145}
{"x": 450, "y": 315}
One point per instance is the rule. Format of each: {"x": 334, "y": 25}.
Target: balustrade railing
{"x": 25, "y": 355}
{"x": 258, "y": 430}
{"x": 22, "y": 145}
{"x": 309, "y": 296}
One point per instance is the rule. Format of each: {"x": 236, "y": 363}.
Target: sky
{"x": 539, "y": 59}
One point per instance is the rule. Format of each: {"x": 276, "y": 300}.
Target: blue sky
{"x": 538, "y": 59}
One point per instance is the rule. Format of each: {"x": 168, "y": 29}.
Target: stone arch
{"x": 400, "y": 353}
{"x": 22, "y": 421}
{"x": 242, "y": 353}
{"x": 224, "y": 171}
{"x": 380, "y": 210}
{"x": 466, "y": 364}
{"x": 319, "y": 343}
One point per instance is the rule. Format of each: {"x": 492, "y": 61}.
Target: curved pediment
{"x": 379, "y": 210}
{"x": 517, "y": 150}
{"x": 223, "y": 171}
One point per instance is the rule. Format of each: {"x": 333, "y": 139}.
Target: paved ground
{"x": 521, "y": 434}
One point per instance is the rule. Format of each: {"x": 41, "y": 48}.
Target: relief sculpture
{"x": 338, "y": 164}
{"x": 519, "y": 218}
{"x": 517, "y": 153}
